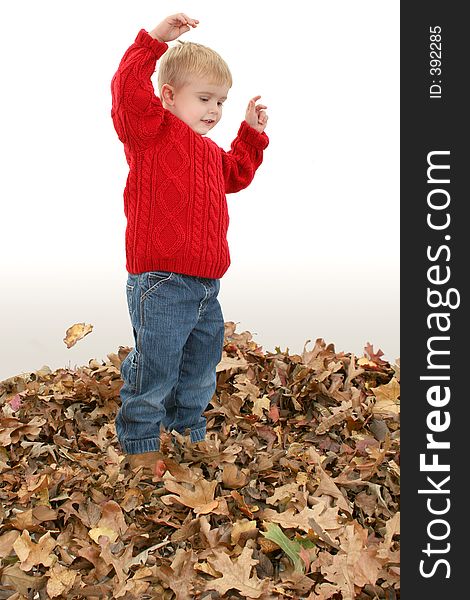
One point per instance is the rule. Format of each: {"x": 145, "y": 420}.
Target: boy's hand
{"x": 172, "y": 27}
{"x": 255, "y": 115}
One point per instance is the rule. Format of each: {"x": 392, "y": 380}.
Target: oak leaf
{"x": 374, "y": 356}
{"x": 236, "y": 574}
{"x": 200, "y": 498}
{"x": 183, "y": 573}
{"x": 387, "y": 403}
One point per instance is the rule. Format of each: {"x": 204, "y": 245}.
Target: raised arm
{"x": 137, "y": 112}
{"x": 244, "y": 157}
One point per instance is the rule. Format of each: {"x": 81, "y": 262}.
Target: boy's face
{"x": 198, "y": 103}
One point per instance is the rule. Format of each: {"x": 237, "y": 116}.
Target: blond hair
{"x": 187, "y": 59}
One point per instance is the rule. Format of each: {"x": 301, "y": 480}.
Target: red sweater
{"x": 174, "y": 198}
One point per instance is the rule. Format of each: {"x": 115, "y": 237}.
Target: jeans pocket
{"x": 153, "y": 280}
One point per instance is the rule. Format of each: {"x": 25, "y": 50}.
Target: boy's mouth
{"x": 208, "y": 121}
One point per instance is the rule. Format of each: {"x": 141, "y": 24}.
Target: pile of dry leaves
{"x": 299, "y": 499}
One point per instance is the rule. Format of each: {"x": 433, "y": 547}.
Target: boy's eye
{"x": 204, "y": 99}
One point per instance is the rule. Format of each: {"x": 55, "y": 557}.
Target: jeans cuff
{"x": 198, "y": 435}
{"x": 140, "y": 446}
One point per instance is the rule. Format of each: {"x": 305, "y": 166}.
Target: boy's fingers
{"x": 188, "y": 20}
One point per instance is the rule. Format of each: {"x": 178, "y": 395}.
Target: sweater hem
{"x": 182, "y": 266}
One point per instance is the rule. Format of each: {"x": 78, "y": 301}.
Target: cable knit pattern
{"x": 174, "y": 198}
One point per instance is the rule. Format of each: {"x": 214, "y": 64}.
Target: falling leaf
{"x": 76, "y": 332}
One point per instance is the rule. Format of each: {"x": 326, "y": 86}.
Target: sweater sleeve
{"x": 136, "y": 110}
{"x": 244, "y": 157}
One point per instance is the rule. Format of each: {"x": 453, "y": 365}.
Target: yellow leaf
{"x": 96, "y": 532}
{"x": 259, "y": 404}
{"x": 76, "y": 332}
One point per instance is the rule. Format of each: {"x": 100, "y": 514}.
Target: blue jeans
{"x": 169, "y": 377}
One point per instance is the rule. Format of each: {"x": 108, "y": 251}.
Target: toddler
{"x": 177, "y": 221}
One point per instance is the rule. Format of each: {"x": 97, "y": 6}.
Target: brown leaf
{"x": 327, "y": 485}
{"x": 59, "y": 440}
{"x": 111, "y": 524}
{"x": 356, "y": 564}
{"x": 6, "y": 542}
{"x": 243, "y": 529}
{"x": 237, "y": 574}
{"x": 282, "y": 493}
{"x": 61, "y": 580}
{"x": 198, "y": 495}
{"x": 261, "y": 404}
{"x": 12, "y": 430}
{"x": 14, "y": 577}
{"x": 322, "y": 519}
{"x": 387, "y": 396}
{"x": 232, "y": 477}
{"x": 392, "y": 527}
{"x": 183, "y": 576}
{"x": 339, "y": 415}
{"x": 374, "y": 356}
{"x": 32, "y": 554}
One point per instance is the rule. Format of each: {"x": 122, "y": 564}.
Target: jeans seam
{"x": 154, "y": 286}
{"x": 179, "y": 377}
{"x": 139, "y": 341}
{"x": 199, "y": 312}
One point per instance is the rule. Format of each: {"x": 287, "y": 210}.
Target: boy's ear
{"x": 167, "y": 94}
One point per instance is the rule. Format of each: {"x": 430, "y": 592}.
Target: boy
{"x": 177, "y": 220}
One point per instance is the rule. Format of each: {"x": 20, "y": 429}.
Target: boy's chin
{"x": 202, "y": 129}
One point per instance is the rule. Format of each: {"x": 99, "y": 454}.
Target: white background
{"x": 314, "y": 239}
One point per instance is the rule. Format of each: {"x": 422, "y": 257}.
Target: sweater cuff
{"x": 249, "y": 135}
{"x": 145, "y": 39}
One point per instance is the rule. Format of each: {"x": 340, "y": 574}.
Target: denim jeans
{"x": 169, "y": 377}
